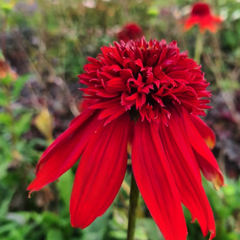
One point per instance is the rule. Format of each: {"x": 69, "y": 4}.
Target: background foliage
{"x": 46, "y": 43}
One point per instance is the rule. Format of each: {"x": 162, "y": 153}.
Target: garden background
{"x": 46, "y": 43}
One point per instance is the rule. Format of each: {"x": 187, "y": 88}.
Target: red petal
{"x": 106, "y": 104}
{"x": 115, "y": 115}
{"x": 179, "y": 154}
{"x": 116, "y": 84}
{"x": 100, "y": 172}
{"x": 155, "y": 181}
{"x": 206, "y": 160}
{"x": 190, "y": 22}
{"x": 63, "y": 153}
{"x": 205, "y": 131}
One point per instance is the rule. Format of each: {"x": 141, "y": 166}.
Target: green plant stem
{"x": 198, "y": 48}
{"x": 4, "y": 31}
{"x": 8, "y": 109}
{"x": 134, "y": 194}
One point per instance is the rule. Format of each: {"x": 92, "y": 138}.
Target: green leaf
{"x": 153, "y": 11}
{"x": 4, "y": 204}
{"x": 65, "y": 186}
{"x": 18, "y": 85}
{"x": 97, "y": 229}
{"x": 118, "y": 234}
{"x": 7, "y": 80}
{"x": 23, "y": 124}
{"x": 7, "y": 228}
{"x": 6, "y": 152}
{"x": 53, "y": 220}
{"x": 150, "y": 228}
{"x": 6, "y": 6}
{"x": 54, "y": 234}
{"x": 5, "y": 118}
{"x": 229, "y": 190}
{"x": 228, "y": 84}
{"x": 140, "y": 234}
{"x": 3, "y": 169}
{"x": 3, "y": 99}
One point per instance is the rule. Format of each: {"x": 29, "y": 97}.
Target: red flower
{"x": 148, "y": 95}
{"x": 5, "y": 70}
{"x": 131, "y": 31}
{"x": 201, "y": 15}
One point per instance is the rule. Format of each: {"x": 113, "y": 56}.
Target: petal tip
{"x": 210, "y": 142}
{"x": 193, "y": 220}
{"x": 212, "y": 234}
{"x": 29, "y": 194}
{"x": 218, "y": 181}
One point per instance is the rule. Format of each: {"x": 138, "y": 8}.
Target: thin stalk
{"x": 134, "y": 194}
{"x": 4, "y": 35}
{"x": 198, "y": 48}
{"x": 8, "y": 110}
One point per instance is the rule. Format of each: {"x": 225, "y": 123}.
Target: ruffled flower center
{"x": 146, "y": 79}
{"x": 201, "y": 10}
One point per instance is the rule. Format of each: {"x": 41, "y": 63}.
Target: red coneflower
{"x": 147, "y": 95}
{"x": 130, "y": 31}
{"x": 201, "y": 15}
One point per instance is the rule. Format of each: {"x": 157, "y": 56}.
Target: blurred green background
{"x": 46, "y": 42}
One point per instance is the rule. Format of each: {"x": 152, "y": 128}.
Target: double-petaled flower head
{"x": 145, "y": 96}
{"x": 130, "y": 31}
{"x": 201, "y": 15}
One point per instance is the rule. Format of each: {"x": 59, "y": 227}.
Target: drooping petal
{"x": 100, "y": 172}
{"x": 66, "y": 150}
{"x": 72, "y": 127}
{"x": 155, "y": 181}
{"x": 205, "y": 131}
{"x": 206, "y": 160}
{"x": 190, "y": 23}
{"x": 179, "y": 154}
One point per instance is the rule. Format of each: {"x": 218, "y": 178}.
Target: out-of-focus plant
{"x": 12, "y": 120}
{"x": 71, "y": 31}
{"x": 130, "y": 31}
{"x": 201, "y": 16}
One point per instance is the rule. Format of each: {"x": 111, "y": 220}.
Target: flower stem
{"x": 198, "y": 48}
{"x": 134, "y": 194}
{"x": 4, "y": 31}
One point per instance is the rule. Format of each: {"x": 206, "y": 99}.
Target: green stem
{"x": 8, "y": 109}
{"x": 134, "y": 194}
{"x": 198, "y": 48}
{"x": 4, "y": 35}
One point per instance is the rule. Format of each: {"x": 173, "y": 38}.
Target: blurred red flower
{"x": 146, "y": 95}
{"x": 5, "y": 70}
{"x": 201, "y": 15}
{"x": 130, "y": 31}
